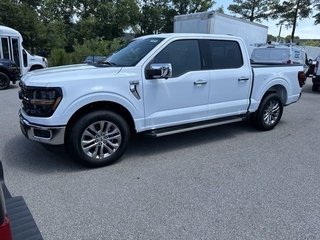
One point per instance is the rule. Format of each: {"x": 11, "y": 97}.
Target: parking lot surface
{"x": 227, "y": 182}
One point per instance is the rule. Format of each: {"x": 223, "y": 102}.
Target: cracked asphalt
{"x": 227, "y": 182}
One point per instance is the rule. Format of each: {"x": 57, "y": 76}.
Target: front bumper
{"x": 53, "y": 135}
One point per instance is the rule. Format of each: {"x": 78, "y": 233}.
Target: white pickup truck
{"x": 157, "y": 84}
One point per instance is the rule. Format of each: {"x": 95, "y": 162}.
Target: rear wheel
{"x": 315, "y": 87}
{"x": 98, "y": 138}
{"x": 4, "y": 81}
{"x": 269, "y": 112}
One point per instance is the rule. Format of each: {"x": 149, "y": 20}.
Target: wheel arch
{"x": 101, "y": 105}
{"x": 280, "y": 90}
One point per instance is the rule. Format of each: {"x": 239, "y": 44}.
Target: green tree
{"x": 290, "y": 11}
{"x": 252, "y": 10}
{"x": 191, "y": 6}
{"x": 220, "y": 9}
{"x": 271, "y": 38}
{"x": 24, "y": 19}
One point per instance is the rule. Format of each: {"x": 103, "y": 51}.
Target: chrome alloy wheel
{"x": 101, "y": 139}
{"x": 271, "y": 112}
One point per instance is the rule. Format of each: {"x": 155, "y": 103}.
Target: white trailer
{"x": 219, "y": 23}
{"x": 11, "y": 48}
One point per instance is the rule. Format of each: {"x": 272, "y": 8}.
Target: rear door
{"x": 230, "y": 79}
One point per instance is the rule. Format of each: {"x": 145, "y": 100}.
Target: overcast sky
{"x": 305, "y": 29}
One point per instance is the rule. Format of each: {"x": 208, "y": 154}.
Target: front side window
{"x": 184, "y": 56}
{"x": 225, "y": 54}
{"x": 132, "y": 53}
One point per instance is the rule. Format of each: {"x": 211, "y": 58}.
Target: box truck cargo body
{"x": 219, "y": 23}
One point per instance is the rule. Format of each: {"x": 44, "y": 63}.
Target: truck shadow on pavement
{"x": 33, "y": 157}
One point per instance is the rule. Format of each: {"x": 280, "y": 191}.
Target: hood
{"x": 77, "y": 72}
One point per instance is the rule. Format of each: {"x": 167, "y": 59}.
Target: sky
{"x": 305, "y": 29}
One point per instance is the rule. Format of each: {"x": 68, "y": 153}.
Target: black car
{"x": 93, "y": 59}
{"x": 9, "y": 71}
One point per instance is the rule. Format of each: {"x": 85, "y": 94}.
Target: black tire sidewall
{"x": 74, "y": 141}
{"x": 259, "y": 115}
{"x": 315, "y": 87}
{"x": 7, "y": 79}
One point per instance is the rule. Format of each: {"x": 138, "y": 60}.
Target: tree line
{"x": 98, "y": 25}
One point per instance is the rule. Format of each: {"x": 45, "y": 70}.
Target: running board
{"x": 193, "y": 126}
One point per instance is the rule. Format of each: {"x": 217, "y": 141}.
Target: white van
{"x": 280, "y": 53}
{"x": 11, "y": 48}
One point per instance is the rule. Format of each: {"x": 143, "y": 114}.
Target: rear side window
{"x": 270, "y": 55}
{"x": 225, "y": 54}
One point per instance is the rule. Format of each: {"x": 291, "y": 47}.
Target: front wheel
{"x": 269, "y": 112}
{"x": 4, "y": 81}
{"x": 99, "y": 138}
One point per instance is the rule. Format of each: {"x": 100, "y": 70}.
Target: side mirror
{"x": 160, "y": 70}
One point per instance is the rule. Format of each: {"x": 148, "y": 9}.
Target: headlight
{"x": 40, "y": 102}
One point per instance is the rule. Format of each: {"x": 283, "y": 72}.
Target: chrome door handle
{"x": 241, "y": 79}
{"x": 200, "y": 82}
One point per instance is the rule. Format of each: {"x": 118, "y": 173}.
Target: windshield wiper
{"x": 108, "y": 63}
{"x": 104, "y": 64}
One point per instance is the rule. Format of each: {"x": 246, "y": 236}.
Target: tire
{"x": 4, "y": 81}
{"x": 98, "y": 139}
{"x": 269, "y": 112}
{"x": 315, "y": 87}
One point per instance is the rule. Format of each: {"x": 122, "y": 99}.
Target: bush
{"x": 59, "y": 57}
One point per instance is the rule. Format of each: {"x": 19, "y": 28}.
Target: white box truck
{"x": 219, "y": 23}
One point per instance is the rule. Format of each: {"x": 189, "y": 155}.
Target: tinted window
{"x": 5, "y": 48}
{"x": 184, "y": 56}
{"x": 270, "y": 55}
{"x": 225, "y": 54}
{"x": 15, "y": 47}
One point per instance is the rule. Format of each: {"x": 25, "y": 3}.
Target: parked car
{"x": 9, "y": 72}
{"x": 93, "y": 59}
{"x": 16, "y": 221}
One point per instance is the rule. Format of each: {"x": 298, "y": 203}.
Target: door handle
{"x": 200, "y": 82}
{"x": 241, "y": 79}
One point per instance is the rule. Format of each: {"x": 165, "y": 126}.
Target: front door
{"x": 183, "y": 98}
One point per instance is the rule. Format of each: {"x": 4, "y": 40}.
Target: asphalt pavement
{"x": 226, "y": 182}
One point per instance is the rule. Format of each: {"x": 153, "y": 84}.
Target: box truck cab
{"x": 11, "y": 48}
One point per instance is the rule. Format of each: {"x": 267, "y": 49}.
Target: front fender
{"x": 77, "y": 104}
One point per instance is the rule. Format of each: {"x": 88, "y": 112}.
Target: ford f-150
{"x": 157, "y": 85}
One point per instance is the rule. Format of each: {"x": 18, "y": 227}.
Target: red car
{"x": 16, "y": 221}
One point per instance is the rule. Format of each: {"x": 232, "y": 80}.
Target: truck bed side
{"x": 281, "y": 78}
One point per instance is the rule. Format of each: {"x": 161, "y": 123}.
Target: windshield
{"x": 132, "y": 53}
